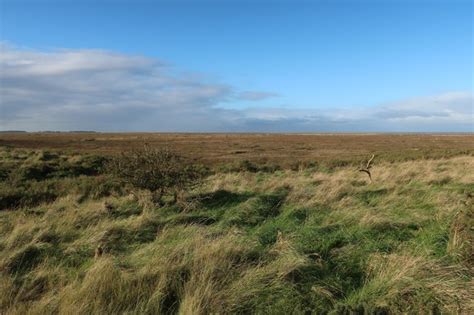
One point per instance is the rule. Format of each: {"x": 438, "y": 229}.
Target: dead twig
{"x": 367, "y": 167}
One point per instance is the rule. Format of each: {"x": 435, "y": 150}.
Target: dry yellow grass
{"x": 331, "y": 242}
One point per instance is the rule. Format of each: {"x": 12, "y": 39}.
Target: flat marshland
{"x": 280, "y": 224}
{"x": 275, "y": 149}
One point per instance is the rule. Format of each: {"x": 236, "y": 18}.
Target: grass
{"x": 250, "y": 240}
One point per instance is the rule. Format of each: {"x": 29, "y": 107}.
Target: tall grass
{"x": 279, "y": 242}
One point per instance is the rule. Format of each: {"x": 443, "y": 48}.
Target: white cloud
{"x": 452, "y": 111}
{"x": 94, "y": 89}
{"x": 107, "y": 91}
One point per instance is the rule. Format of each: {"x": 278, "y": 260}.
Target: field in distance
{"x": 276, "y": 149}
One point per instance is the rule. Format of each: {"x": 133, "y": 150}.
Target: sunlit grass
{"x": 289, "y": 241}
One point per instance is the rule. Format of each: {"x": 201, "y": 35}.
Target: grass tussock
{"x": 396, "y": 283}
{"x": 266, "y": 241}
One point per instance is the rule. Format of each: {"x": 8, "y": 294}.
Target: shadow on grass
{"x": 221, "y": 198}
{"x": 372, "y": 197}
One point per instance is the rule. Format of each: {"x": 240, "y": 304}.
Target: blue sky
{"x": 239, "y": 65}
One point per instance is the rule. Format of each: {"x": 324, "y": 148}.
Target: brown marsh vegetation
{"x": 277, "y": 149}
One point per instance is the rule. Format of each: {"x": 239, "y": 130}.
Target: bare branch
{"x": 369, "y": 162}
{"x": 367, "y": 168}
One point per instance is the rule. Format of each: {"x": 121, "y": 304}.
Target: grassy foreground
{"x": 312, "y": 241}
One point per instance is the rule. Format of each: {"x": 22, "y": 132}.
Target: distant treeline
{"x": 48, "y": 131}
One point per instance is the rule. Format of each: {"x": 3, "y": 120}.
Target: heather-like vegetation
{"x": 314, "y": 239}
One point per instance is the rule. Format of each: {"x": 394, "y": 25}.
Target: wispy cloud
{"x": 256, "y": 95}
{"x": 102, "y": 90}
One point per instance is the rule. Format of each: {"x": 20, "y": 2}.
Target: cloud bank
{"x": 107, "y": 91}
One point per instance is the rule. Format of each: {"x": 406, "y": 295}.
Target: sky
{"x": 237, "y": 66}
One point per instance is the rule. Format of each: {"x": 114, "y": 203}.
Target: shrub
{"x": 158, "y": 170}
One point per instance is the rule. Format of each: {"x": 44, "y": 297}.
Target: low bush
{"x": 160, "y": 171}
